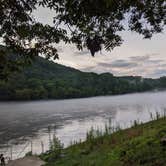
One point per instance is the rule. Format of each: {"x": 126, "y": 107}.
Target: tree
{"x": 88, "y": 23}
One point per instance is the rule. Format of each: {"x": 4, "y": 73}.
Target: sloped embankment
{"x": 140, "y": 145}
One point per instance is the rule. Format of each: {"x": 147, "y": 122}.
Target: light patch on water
{"x": 27, "y": 122}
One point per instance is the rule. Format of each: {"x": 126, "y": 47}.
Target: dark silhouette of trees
{"x": 55, "y": 81}
{"x": 93, "y": 24}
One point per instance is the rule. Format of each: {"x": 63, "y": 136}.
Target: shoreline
{"x": 116, "y": 148}
{"x": 88, "y": 97}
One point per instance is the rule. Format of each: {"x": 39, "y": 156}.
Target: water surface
{"x": 24, "y": 122}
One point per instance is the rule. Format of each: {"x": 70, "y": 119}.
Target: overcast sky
{"x": 136, "y": 56}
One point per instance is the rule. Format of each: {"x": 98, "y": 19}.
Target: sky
{"x": 136, "y": 56}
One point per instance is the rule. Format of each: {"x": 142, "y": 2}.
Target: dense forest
{"x": 47, "y": 80}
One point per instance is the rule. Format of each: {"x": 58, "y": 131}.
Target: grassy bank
{"x": 139, "y": 145}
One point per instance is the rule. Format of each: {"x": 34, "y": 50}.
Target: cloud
{"x": 118, "y": 64}
{"x": 158, "y": 73}
{"x": 88, "y": 69}
{"x": 60, "y": 49}
{"x": 140, "y": 58}
{"x": 123, "y": 64}
{"x": 146, "y": 59}
{"x": 134, "y": 57}
{"x": 80, "y": 53}
{"x": 153, "y": 54}
{"x": 146, "y": 66}
{"x": 154, "y": 61}
{"x": 116, "y": 67}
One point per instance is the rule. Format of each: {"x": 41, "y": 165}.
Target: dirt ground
{"x": 27, "y": 161}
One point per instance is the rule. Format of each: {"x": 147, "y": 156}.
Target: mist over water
{"x": 71, "y": 119}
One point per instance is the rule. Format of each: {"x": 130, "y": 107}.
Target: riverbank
{"x": 142, "y": 144}
{"x": 45, "y": 80}
{"x": 69, "y": 119}
{"x": 27, "y": 161}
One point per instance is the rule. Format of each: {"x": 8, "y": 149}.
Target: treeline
{"x": 48, "y": 80}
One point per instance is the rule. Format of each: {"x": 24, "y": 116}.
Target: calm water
{"x": 23, "y": 122}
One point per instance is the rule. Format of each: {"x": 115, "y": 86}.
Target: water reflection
{"x": 24, "y": 121}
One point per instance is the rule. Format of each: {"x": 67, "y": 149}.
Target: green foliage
{"x": 88, "y": 23}
{"x": 48, "y": 80}
{"x": 56, "y": 147}
{"x": 55, "y": 150}
{"x": 138, "y": 146}
{"x": 29, "y": 154}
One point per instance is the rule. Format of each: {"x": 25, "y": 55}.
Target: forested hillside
{"x": 47, "y": 80}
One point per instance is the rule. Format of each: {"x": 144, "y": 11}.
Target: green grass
{"x": 137, "y": 146}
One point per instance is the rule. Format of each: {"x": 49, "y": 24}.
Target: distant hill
{"x": 48, "y": 80}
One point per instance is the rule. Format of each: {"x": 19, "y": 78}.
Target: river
{"x": 24, "y": 125}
